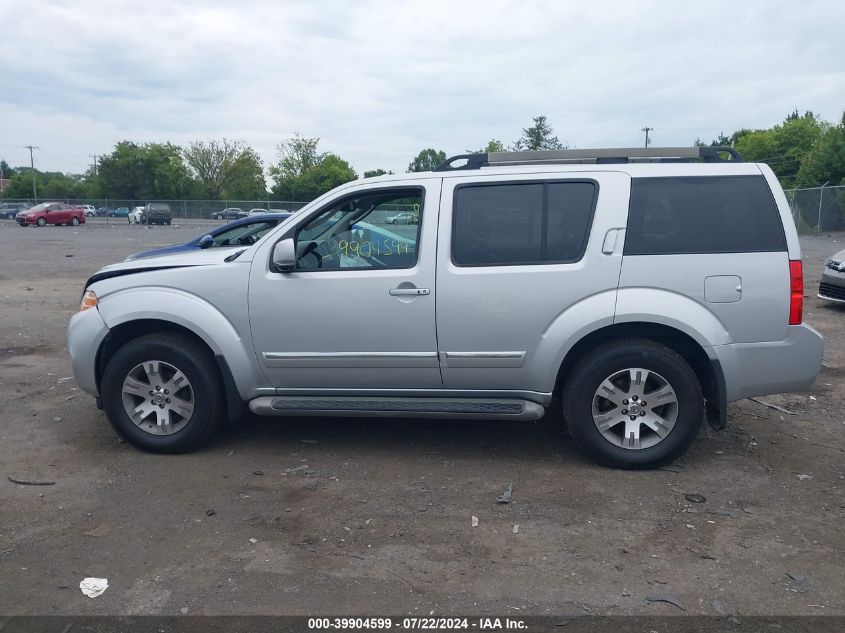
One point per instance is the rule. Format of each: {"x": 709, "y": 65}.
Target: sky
{"x": 378, "y": 81}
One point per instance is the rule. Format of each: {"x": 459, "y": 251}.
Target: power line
{"x": 32, "y": 164}
{"x": 647, "y": 129}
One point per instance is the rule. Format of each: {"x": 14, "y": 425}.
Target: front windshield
{"x": 244, "y": 234}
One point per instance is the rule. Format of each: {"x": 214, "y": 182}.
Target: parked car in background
{"x": 136, "y": 215}
{"x": 229, "y": 213}
{"x": 832, "y": 286}
{"x": 120, "y": 212}
{"x": 88, "y": 209}
{"x": 157, "y": 213}
{"x": 243, "y": 232}
{"x": 403, "y": 218}
{"x": 57, "y": 213}
{"x": 8, "y": 210}
{"x": 257, "y": 211}
{"x": 103, "y": 212}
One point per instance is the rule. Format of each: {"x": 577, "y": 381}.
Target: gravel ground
{"x": 361, "y": 517}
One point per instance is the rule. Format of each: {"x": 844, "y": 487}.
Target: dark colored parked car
{"x": 120, "y": 212}
{"x": 156, "y": 213}
{"x": 242, "y": 232}
{"x": 229, "y": 213}
{"x": 8, "y": 210}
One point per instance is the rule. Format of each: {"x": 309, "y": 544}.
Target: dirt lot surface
{"x": 351, "y": 517}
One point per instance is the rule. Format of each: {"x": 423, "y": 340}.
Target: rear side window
{"x": 726, "y": 214}
{"x": 521, "y": 223}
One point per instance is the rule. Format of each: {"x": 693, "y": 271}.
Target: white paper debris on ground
{"x": 474, "y": 521}
{"x": 516, "y": 529}
{"x": 253, "y": 541}
{"x": 93, "y": 587}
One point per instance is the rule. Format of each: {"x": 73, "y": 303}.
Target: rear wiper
{"x": 235, "y": 255}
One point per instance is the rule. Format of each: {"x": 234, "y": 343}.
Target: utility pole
{"x": 32, "y": 164}
{"x": 647, "y": 129}
{"x": 94, "y": 156}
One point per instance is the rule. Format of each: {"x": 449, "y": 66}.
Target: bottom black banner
{"x": 374, "y": 624}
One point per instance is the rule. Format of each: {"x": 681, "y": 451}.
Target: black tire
{"x": 193, "y": 360}
{"x": 167, "y": 222}
{"x": 616, "y": 355}
{"x": 74, "y": 221}
{"x": 41, "y": 222}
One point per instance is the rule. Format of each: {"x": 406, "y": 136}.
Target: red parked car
{"x": 57, "y": 213}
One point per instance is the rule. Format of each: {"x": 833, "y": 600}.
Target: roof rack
{"x": 594, "y": 156}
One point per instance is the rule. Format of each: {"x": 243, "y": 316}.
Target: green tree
{"x": 6, "y": 170}
{"x": 376, "y": 172}
{"x": 493, "y": 145}
{"x": 245, "y": 180}
{"x": 825, "y": 162}
{"x": 211, "y": 163}
{"x": 302, "y": 173}
{"x": 783, "y": 147}
{"x": 49, "y": 185}
{"x": 426, "y": 160}
{"x": 144, "y": 172}
{"x": 539, "y": 136}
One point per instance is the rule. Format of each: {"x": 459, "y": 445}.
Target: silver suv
{"x": 635, "y": 291}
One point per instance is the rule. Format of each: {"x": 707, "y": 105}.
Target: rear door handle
{"x": 402, "y": 292}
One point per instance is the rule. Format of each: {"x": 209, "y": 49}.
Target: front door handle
{"x": 403, "y": 292}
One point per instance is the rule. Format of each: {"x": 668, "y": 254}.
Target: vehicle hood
{"x": 839, "y": 257}
{"x": 172, "y": 249}
{"x": 194, "y": 257}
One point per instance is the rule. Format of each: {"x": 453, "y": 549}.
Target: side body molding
{"x": 196, "y": 315}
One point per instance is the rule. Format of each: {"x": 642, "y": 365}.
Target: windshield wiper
{"x": 235, "y": 255}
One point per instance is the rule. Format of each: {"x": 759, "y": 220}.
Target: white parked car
{"x": 89, "y": 210}
{"x": 257, "y": 211}
{"x": 136, "y": 215}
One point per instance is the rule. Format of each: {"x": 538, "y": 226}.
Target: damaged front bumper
{"x": 85, "y": 333}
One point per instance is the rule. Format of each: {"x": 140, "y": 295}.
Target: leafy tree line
{"x": 803, "y": 150}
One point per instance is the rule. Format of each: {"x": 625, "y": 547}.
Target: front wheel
{"x": 74, "y": 221}
{"x": 163, "y": 393}
{"x": 41, "y": 222}
{"x": 632, "y": 403}
{"x": 219, "y": 217}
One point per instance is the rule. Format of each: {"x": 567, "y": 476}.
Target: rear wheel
{"x": 75, "y": 221}
{"x": 219, "y": 217}
{"x": 633, "y": 403}
{"x": 163, "y": 393}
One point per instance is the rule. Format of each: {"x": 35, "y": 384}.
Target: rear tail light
{"x": 796, "y": 292}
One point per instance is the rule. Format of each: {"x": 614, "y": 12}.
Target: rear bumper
{"x": 759, "y": 369}
{"x": 85, "y": 333}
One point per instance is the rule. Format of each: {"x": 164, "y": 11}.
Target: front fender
{"x": 194, "y": 314}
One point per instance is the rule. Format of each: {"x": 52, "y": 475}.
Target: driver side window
{"x": 360, "y": 232}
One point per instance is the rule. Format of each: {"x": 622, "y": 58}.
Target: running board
{"x": 466, "y": 408}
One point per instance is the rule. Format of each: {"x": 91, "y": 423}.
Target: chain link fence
{"x": 817, "y": 209}
{"x": 187, "y": 212}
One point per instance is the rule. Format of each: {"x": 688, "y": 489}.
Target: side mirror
{"x": 284, "y": 255}
{"x": 205, "y": 241}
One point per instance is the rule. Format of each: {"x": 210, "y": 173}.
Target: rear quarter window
{"x": 685, "y": 215}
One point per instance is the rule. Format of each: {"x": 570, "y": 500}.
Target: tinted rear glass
{"x": 727, "y": 214}
{"x": 521, "y": 223}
